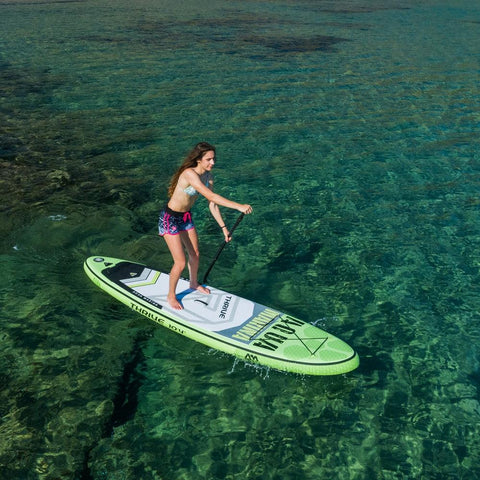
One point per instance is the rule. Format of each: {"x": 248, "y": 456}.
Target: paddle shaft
{"x": 235, "y": 225}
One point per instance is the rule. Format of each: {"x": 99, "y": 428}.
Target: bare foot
{"x": 174, "y": 303}
{"x": 200, "y": 288}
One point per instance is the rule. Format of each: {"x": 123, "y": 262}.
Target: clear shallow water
{"x": 353, "y": 130}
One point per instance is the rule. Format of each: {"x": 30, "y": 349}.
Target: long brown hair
{"x": 193, "y": 157}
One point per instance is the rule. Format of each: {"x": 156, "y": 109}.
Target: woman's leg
{"x": 174, "y": 243}
{"x": 190, "y": 240}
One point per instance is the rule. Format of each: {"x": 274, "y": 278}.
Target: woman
{"x": 175, "y": 223}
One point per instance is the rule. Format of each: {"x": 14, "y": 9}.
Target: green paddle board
{"x": 253, "y": 332}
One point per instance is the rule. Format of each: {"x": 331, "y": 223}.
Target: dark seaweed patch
{"x": 231, "y": 35}
{"x": 10, "y": 146}
{"x": 347, "y": 7}
{"x": 359, "y": 9}
{"x": 126, "y": 400}
{"x": 41, "y": 2}
{"x": 288, "y": 45}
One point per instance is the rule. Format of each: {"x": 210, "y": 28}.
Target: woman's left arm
{"x": 217, "y": 214}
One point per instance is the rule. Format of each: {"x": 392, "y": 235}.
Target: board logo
{"x": 147, "y": 313}
{"x": 226, "y": 304}
{"x": 272, "y": 340}
{"x": 251, "y": 358}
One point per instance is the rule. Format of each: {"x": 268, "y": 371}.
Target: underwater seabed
{"x": 88, "y": 372}
{"x": 352, "y": 129}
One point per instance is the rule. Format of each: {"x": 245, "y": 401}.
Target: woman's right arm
{"x": 196, "y": 183}
{"x": 225, "y": 202}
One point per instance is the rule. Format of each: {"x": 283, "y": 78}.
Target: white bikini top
{"x": 191, "y": 191}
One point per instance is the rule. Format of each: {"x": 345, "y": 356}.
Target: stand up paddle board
{"x": 255, "y": 333}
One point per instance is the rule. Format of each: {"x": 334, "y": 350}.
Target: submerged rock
{"x": 59, "y": 178}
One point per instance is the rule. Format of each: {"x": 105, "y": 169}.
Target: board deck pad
{"x": 224, "y": 321}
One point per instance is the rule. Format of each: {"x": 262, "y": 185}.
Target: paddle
{"x": 239, "y": 219}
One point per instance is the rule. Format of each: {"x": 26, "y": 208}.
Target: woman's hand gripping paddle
{"x": 239, "y": 219}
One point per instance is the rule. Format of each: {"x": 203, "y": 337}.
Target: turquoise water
{"x": 351, "y": 127}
